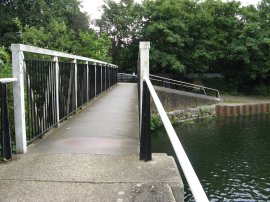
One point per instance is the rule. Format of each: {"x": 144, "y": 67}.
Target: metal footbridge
{"x": 77, "y": 128}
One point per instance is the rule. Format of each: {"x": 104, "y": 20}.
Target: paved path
{"x": 109, "y": 125}
{"x": 93, "y": 157}
{"x": 90, "y": 177}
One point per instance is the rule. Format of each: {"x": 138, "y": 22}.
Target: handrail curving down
{"x": 185, "y": 84}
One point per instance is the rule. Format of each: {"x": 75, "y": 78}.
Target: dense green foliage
{"x": 4, "y": 63}
{"x": 53, "y": 24}
{"x": 187, "y": 36}
{"x": 122, "y": 22}
{"x": 190, "y": 36}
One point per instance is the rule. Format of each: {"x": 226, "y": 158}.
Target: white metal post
{"x": 55, "y": 59}
{"x": 76, "y": 83}
{"x": 87, "y": 80}
{"x": 144, "y": 69}
{"x": 18, "y": 92}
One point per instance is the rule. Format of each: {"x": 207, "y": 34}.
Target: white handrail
{"x": 43, "y": 51}
{"x": 7, "y": 80}
{"x": 190, "y": 84}
{"x": 176, "y": 84}
{"x": 192, "y": 179}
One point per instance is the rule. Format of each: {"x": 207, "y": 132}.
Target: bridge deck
{"x": 109, "y": 125}
{"x": 77, "y": 161}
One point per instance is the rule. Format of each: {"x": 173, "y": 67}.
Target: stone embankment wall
{"x": 190, "y": 114}
{"x": 224, "y": 110}
{"x": 184, "y": 106}
{"x": 176, "y": 100}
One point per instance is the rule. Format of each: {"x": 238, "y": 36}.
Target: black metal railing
{"x": 145, "y": 140}
{"x": 82, "y": 84}
{"x": 107, "y": 79}
{"x": 7, "y": 135}
{"x": 103, "y": 77}
{"x": 41, "y": 87}
{"x": 92, "y": 82}
{"x": 114, "y": 76}
{"x": 98, "y": 80}
{"x": 40, "y": 97}
{"x": 67, "y": 93}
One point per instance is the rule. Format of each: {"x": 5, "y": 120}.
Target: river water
{"x": 231, "y": 156}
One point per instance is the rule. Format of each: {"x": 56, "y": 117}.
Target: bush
{"x": 155, "y": 122}
{"x": 5, "y": 65}
{"x": 261, "y": 90}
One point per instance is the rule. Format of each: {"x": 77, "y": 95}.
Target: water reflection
{"x": 231, "y": 156}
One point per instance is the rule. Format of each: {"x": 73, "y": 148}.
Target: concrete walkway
{"x": 109, "y": 125}
{"x": 93, "y": 157}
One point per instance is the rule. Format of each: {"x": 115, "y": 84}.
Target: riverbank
{"x": 231, "y": 106}
{"x": 244, "y": 99}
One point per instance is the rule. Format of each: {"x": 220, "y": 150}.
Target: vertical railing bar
{"x": 109, "y": 76}
{"x": 85, "y": 77}
{"x": 87, "y": 80}
{"x": 34, "y": 122}
{"x": 40, "y": 111}
{"x": 111, "y": 68}
{"x": 35, "y": 77}
{"x": 145, "y": 146}
{"x": 48, "y": 118}
{"x": 36, "y": 97}
{"x": 30, "y": 129}
{"x": 54, "y": 106}
{"x": 76, "y": 82}
{"x": 59, "y": 93}
{"x": 29, "y": 101}
{"x": 32, "y": 66}
{"x": 105, "y": 77}
{"x": 100, "y": 79}
{"x": 6, "y": 140}
{"x": 43, "y": 114}
{"x": 95, "y": 79}
{"x": 44, "y": 93}
{"x": 55, "y": 59}
{"x": 50, "y": 95}
{"x": 45, "y": 96}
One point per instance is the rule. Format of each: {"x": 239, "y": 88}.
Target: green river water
{"x": 231, "y": 156}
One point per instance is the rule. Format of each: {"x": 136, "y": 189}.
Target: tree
{"x": 122, "y": 22}
{"x": 92, "y": 45}
{"x": 46, "y": 37}
{"x": 53, "y": 24}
